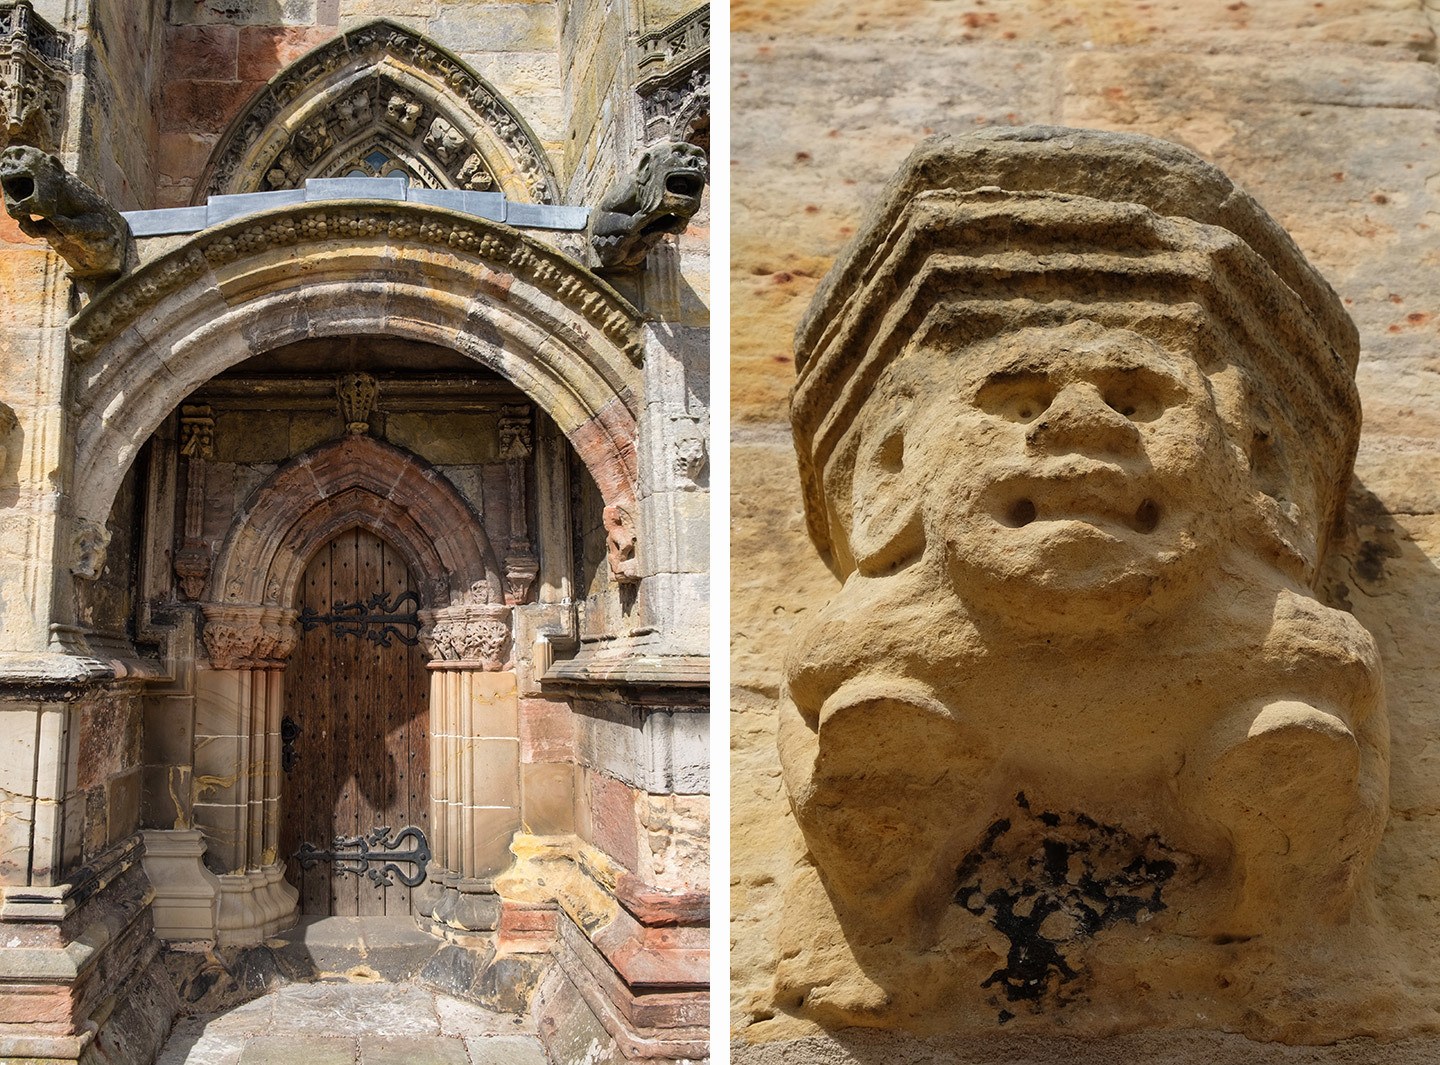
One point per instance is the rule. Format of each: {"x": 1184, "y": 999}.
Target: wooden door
{"x": 357, "y": 722}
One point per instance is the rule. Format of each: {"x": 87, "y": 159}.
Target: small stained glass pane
{"x": 377, "y": 159}
{"x": 357, "y": 173}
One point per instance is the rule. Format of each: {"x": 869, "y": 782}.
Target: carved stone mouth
{"x": 1102, "y": 498}
{"x": 685, "y": 184}
{"x": 19, "y": 188}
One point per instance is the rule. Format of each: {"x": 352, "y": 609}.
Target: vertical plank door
{"x": 359, "y": 697}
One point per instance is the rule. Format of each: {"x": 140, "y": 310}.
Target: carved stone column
{"x": 239, "y": 707}
{"x": 474, "y": 760}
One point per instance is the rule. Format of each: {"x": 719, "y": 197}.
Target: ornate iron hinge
{"x": 376, "y": 619}
{"x": 359, "y": 853}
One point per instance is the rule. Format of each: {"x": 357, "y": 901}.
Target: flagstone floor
{"x": 340, "y": 1022}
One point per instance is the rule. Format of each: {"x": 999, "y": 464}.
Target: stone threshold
{"x": 171, "y": 221}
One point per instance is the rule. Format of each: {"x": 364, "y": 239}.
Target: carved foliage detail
{"x": 248, "y": 637}
{"x": 438, "y": 150}
{"x": 470, "y": 633}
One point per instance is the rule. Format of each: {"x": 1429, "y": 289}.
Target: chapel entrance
{"x": 355, "y": 737}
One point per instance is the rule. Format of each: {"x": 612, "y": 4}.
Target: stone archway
{"x": 381, "y": 88}
{"x": 554, "y": 329}
{"x": 249, "y": 632}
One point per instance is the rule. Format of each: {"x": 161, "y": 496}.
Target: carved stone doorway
{"x": 355, "y": 739}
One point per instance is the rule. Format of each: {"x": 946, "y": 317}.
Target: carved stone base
{"x": 254, "y": 905}
{"x": 185, "y": 891}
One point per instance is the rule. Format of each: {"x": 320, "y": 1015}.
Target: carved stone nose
{"x": 1080, "y": 419}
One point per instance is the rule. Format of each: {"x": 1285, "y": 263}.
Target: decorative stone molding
{"x": 356, "y": 480}
{"x": 381, "y": 99}
{"x": 673, "y": 79}
{"x": 476, "y": 634}
{"x": 490, "y": 242}
{"x": 357, "y": 394}
{"x": 1055, "y": 416}
{"x": 51, "y": 205}
{"x": 34, "y": 77}
{"x": 520, "y": 309}
{"x": 244, "y": 636}
{"x": 197, "y": 445}
{"x": 659, "y": 198}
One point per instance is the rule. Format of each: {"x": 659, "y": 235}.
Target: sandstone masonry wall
{"x": 1325, "y": 112}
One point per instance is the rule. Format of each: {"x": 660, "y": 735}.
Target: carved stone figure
{"x": 445, "y": 141}
{"x": 313, "y": 140}
{"x": 1056, "y": 417}
{"x": 659, "y": 198}
{"x": 620, "y": 544}
{"x": 403, "y": 113}
{"x": 89, "y": 548}
{"x": 60, "y": 209}
{"x": 474, "y": 176}
{"x": 355, "y": 111}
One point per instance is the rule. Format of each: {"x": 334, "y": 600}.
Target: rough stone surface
{"x": 1325, "y": 115}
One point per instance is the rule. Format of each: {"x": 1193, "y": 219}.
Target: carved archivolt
{"x": 378, "y": 100}
{"x": 354, "y": 481}
{"x": 539, "y": 319}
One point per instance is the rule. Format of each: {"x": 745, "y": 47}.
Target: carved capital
{"x": 476, "y": 634}
{"x": 248, "y": 637}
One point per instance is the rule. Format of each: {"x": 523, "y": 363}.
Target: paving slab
{"x": 354, "y": 1022}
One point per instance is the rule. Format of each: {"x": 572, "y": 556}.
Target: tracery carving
{"x": 381, "y": 88}
{"x": 34, "y": 77}
{"x": 673, "y": 80}
{"x": 1055, "y": 416}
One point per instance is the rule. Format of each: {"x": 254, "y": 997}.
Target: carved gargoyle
{"x": 1056, "y": 416}
{"x": 659, "y": 198}
{"x": 58, "y": 208}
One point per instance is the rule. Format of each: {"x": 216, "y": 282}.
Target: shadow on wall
{"x": 1379, "y": 571}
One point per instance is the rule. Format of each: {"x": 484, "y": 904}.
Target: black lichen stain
{"x": 1047, "y": 881}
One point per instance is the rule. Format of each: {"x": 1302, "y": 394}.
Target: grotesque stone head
{"x": 660, "y": 197}
{"x": 1075, "y": 420}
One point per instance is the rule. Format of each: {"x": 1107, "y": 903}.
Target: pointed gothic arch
{"x": 380, "y": 99}
{"x": 354, "y": 481}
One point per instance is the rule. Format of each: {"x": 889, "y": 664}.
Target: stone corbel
{"x": 248, "y": 637}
